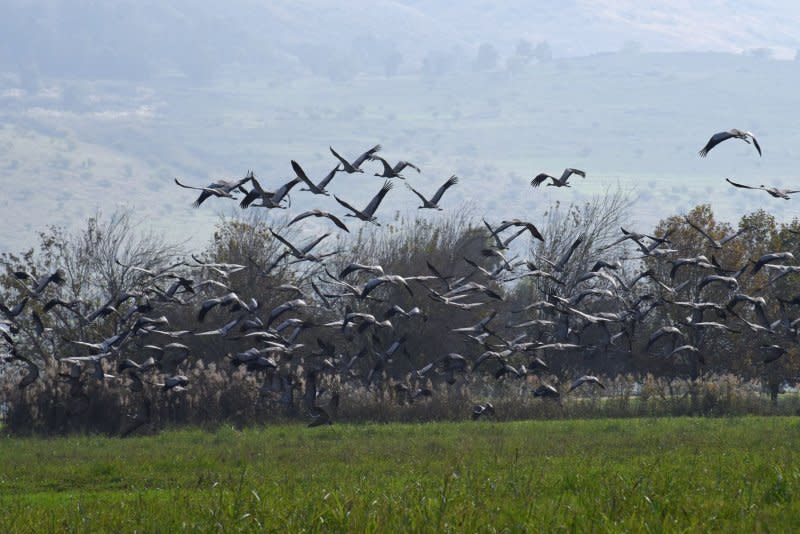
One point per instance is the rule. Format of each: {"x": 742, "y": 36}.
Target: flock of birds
{"x": 292, "y": 351}
{"x": 277, "y": 198}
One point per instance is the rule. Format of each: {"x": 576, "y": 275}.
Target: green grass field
{"x": 678, "y": 474}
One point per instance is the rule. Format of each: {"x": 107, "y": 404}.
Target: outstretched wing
{"x": 734, "y": 184}
{"x": 253, "y": 194}
{"x": 570, "y": 171}
{"x": 422, "y": 198}
{"x": 504, "y": 225}
{"x": 319, "y": 213}
{"x": 284, "y": 190}
{"x": 325, "y": 181}
{"x": 562, "y": 261}
{"x": 525, "y": 225}
{"x": 336, "y": 220}
{"x": 453, "y": 180}
{"x": 353, "y": 267}
{"x": 203, "y": 196}
{"x": 291, "y": 247}
{"x": 716, "y": 139}
{"x": 298, "y": 170}
{"x": 369, "y": 211}
{"x": 403, "y": 164}
{"x": 586, "y": 379}
{"x": 346, "y": 205}
{"x": 387, "y": 169}
{"x": 701, "y": 231}
{"x": 534, "y": 232}
{"x": 308, "y": 248}
{"x": 436, "y": 272}
{"x": 363, "y": 157}
{"x": 340, "y": 158}
{"x": 540, "y": 178}
{"x": 302, "y": 216}
{"x": 206, "y": 192}
{"x": 371, "y": 285}
{"x": 189, "y": 186}
{"x": 732, "y": 237}
{"x": 249, "y": 198}
{"x": 755, "y": 143}
{"x": 493, "y": 233}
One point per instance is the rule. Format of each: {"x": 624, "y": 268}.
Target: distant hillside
{"x": 199, "y": 39}
{"x": 72, "y": 146}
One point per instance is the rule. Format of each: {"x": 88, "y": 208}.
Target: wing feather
{"x": 734, "y": 184}
{"x": 716, "y": 139}
{"x": 363, "y": 157}
{"x": 422, "y": 198}
{"x": 369, "y": 211}
{"x": 298, "y": 170}
{"x": 346, "y": 205}
{"x": 453, "y": 180}
{"x": 540, "y": 179}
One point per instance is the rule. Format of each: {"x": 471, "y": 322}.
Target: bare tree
{"x": 95, "y": 263}
{"x": 596, "y": 223}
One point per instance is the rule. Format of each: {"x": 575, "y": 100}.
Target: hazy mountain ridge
{"x": 200, "y": 39}
{"x": 631, "y": 119}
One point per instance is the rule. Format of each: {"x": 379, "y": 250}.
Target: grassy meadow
{"x": 670, "y": 474}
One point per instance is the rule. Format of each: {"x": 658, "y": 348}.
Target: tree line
{"x": 113, "y": 257}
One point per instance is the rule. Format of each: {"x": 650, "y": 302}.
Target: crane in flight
{"x": 557, "y": 182}
{"x": 719, "y": 137}
{"x": 772, "y": 191}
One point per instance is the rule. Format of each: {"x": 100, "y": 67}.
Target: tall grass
{"x": 220, "y": 395}
{"x": 655, "y": 474}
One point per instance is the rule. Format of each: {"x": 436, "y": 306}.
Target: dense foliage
{"x": 118, "y": 279}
